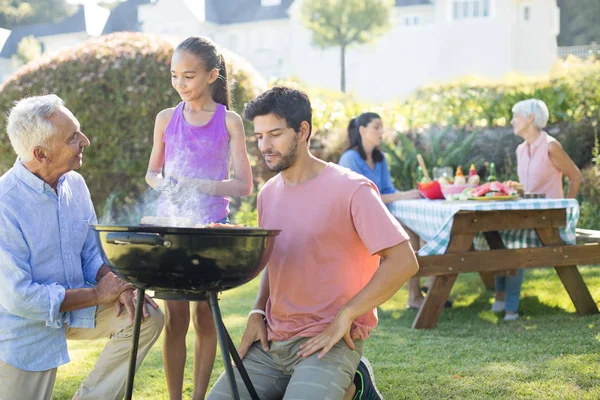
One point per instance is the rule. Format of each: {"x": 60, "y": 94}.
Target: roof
{"x": 225, "y": 12}
{"x": 124, "y": 17}
{"x": 90, "y": 19}
{"x": 405, "y": 3}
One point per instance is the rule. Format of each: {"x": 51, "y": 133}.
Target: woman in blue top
{"x": 365, "y": 157}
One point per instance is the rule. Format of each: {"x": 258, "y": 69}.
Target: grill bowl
{"x": 185, "y": 261}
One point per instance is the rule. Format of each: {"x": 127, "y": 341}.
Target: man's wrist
{"x": 103, "y": 270}
{"x": 96, "y": 294}
{"x": 346, "y": 312}
{"x": 257, "y": 311}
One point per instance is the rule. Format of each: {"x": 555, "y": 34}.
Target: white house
{"x": 430, "y": 40}
{"x": 87, "y": 21}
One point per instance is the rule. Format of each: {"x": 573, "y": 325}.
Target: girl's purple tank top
{"x": 200, "y": 152}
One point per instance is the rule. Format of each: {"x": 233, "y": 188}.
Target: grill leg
{"x": 226, "y": 343}
{"x": 241, "y": 368}
{"x": 136, "y": 339}
{"x": 222, "y": 335}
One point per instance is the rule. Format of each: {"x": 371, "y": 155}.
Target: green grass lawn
{"x": 550, "y": 353}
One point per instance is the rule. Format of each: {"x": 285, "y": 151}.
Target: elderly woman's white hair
{"x": 28, "y": 124}
{"x": 536, "y": 107}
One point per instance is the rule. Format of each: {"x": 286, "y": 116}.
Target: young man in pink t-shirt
{"x": 339, "y": 255}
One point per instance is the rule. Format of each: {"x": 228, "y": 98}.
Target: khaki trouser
{"x": 108, "y": 378}
{"x": 281, "y": 373}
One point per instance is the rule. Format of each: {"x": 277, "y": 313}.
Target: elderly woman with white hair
{"x": 541, "y": 165}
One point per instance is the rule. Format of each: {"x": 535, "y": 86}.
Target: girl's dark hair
{"x": 355, "y": 140}
{"x": 207, "y": 51}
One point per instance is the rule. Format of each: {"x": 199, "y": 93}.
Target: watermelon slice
{"x": 481, "y": 190}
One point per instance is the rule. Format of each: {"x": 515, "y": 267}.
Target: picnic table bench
{"x": 538, "y": 220}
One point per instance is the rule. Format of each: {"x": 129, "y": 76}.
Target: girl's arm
{"x": 154, "y": 175}
{"x": 564, "y": 164}
{"x": 241, "y": 183}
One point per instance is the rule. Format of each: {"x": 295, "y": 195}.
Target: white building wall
{"x": 438, "y": 48}
{"x": 535, "y": 46}
{"x": 171, "y": 17}
{"x": 6, "y": 69}
{"x": 60, "y": 42}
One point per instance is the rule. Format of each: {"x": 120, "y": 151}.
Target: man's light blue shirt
{"x": 380, "y": 176}
{"x": 46, "y": 247}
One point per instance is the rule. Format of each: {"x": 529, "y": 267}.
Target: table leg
{"x": 570, "y": 276}
{"x": 432, "y": 307}
{"x": 489, "y": 280}
{"x": 438, "y": 293}
{"x": 139, "y": 306}
{"x": 577, "y": 289}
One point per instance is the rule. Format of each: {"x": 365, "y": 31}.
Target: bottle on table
{"x": 492, "y": 175}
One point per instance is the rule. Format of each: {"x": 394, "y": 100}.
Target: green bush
{"x": 589, "y": 193}
{"x": 571, "y": 91}
{"x": 115, "y": 85}
{"x": 588, "y": 197}
{"x": 439, "y": 148}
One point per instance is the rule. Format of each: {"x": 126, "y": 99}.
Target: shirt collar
{"x": 538, "y": 141}
{"x": 30, "y": 179}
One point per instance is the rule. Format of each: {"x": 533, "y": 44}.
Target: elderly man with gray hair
{"x": 54, "y": 283}
{"x": 541, "y": 164}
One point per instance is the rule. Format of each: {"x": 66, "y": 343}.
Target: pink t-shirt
{"x": 535, "y": 169}
{"x": 331, "y": 226}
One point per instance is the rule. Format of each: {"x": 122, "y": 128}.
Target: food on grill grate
{"x": 219, "y": 225}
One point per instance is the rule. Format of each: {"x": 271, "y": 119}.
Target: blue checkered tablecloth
{"x": 432, "y": 221}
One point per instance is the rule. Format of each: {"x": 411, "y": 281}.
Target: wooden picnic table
{"x": 461, "y": 257}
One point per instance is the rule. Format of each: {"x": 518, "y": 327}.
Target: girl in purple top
{"x": 190, "y": 165}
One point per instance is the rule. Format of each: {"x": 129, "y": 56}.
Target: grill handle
{"x": 125, "y": 238}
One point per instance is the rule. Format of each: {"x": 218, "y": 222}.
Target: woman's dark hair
{"x": 286, "y": 103}
{"x": 355, "y": 140}
{"x": 207, "y": 51}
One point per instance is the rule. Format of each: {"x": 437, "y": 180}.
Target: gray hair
{"x": 28, "y": 123}
{"x": 536, "y": 107}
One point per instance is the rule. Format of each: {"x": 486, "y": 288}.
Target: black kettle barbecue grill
{"x": 186, "y": 264}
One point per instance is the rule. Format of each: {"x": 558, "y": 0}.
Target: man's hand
{"x": 256, "y": 329}
{"x": 110, "y": 287}
{"x": 127, "y": 299}
{"x": 338, "y": 328}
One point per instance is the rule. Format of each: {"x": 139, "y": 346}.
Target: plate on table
{"x": 492, "y": 198}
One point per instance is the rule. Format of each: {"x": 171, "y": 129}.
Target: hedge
{"x": 115, "y": 85}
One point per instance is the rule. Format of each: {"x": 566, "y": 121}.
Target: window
{"x": 526, "y": 13}
{"x": 412, "y": 20}
{"x": 476, "y": 5}
{"x": 486, "y": 8}
{"x": 464, "y": 9}
{"x": 270, "y": 3}
{"x": 455, "y": 10}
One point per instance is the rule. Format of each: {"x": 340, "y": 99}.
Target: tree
{"x": 346, "y": 22}
{"x": 13, "y": 12}
{"x": 579, "y": 22}
{"x": 29, "y": 49}
{"x": 18, "y": 12}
